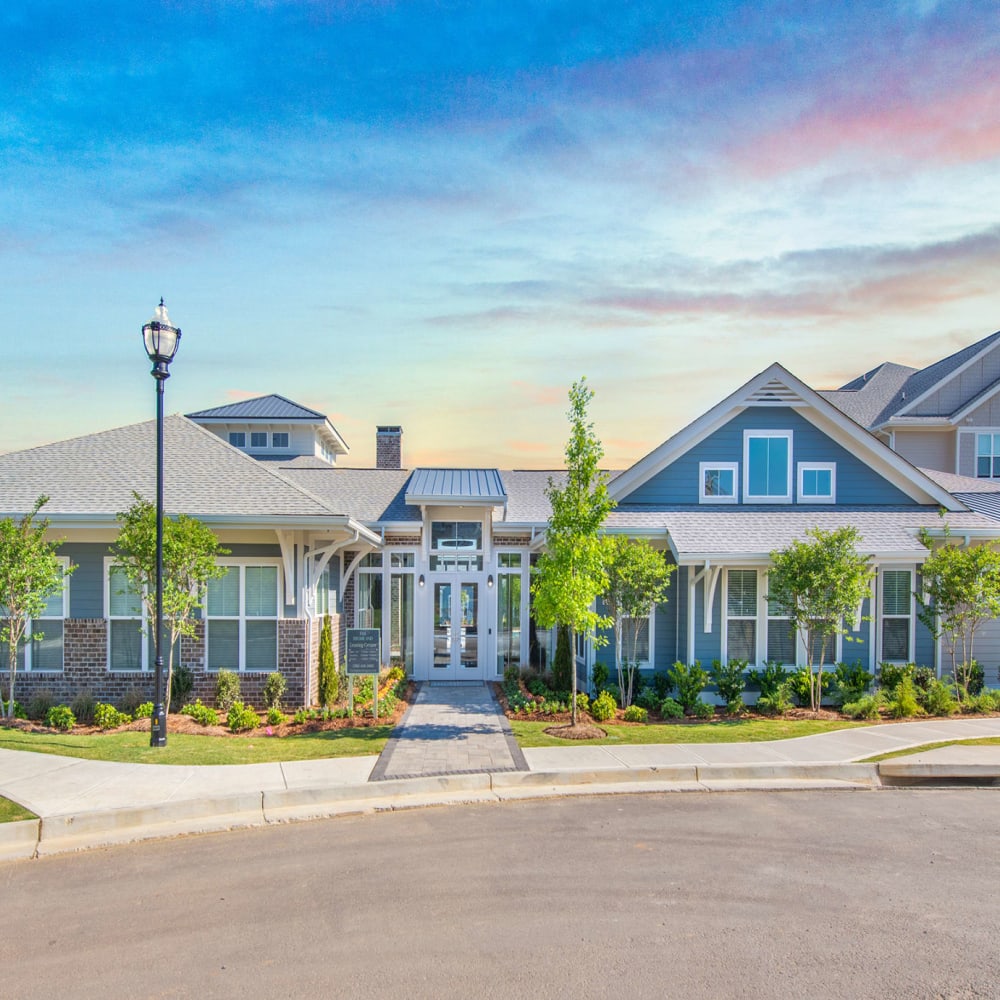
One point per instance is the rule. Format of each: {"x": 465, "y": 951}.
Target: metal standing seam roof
{"x": 456, "y": 486}
{"x": 272, "y": 407}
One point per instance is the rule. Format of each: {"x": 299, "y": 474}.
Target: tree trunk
{"x": 572, "y": 660}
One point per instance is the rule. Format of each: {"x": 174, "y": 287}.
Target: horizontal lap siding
{"x": 856, "y": 482}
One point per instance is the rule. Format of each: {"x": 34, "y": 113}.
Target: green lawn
{"x": 985, "y": 741}
{"x": 134, "y": 748}
{"x": 532, "y": 734}
{"x": 11, "y": 812}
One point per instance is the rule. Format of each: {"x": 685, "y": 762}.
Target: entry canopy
{"x": 456, "y": 487}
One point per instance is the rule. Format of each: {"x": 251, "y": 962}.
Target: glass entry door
{"x": 456, "y": 630}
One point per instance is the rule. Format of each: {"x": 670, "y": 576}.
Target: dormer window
{"x": 238, "y": 439}
{"x": 258, "y": 439}
{"x": 279, "y": 439}
{"x": 767, "y": 466}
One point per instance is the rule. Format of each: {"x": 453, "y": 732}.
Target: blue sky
{"x": 441, "y": 214}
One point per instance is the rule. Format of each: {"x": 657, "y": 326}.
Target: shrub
{"x": 923, "y": 677}
{"x": 635, "y": 713}
{"x": 274, "y": 688}
{"x": 599, "y": 677}
{"x": 60, "y": 717}
{"x": 83, "y": 709}
{"x": 689, "y": 681}
{"x": 108, "y": 717}
{"x": 671, "y": 709}
{"x": 851, "y": 682}
{"x": 511, "y": 674}
{"x": 134, "y": 698}
{"x": 242, "y": 718}
{"x": 201, "y": 714}
{"x": 181, "y": 685}
{"x": 970, "y": 676}
{"x": 40, "y": 703}
{"x": 986, "y": 701}
{"x": 301, "y": 716}
{"x": 396, "y": 673}
{"x": 661, "y": 684}
{"x": 903, "y": 702}
{"x": 890, "y": 675}
{"x": 730, "y": 682}
{"x": 865, "y": 707}
{"x": 775, "y": 704}
{"x": 938, "y": 699}
{"x": 702, "y": 710}
{"x": 562, "y": 664}
{"x": 582, "y": 702}
{"x": 615, "y": 692}
{"x": 143, "y": 710}
{"x": 648, "y": 699}
{"x": 329, "y": 678}
{"x": 275, "y": 717}
{"x": 227, "y": 690}
{"x": 799, "y": 683}
{"x": 19, "y": 712}
{"x": 769, "y": 681}
{"x": 603, "y": 707}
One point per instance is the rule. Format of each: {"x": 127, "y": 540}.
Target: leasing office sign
{"x": 364, "y": 651}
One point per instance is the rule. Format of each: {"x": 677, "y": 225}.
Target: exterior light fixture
{"x": 161, "y": 341}
{"x": 489, "y": 581}
{"x": 421, "y": 580}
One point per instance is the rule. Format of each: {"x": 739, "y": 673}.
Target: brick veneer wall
{"x": 85, "y": 667}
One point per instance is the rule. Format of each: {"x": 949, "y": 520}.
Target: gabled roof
{"x": 474, "y": 487}
{"x": 92, "y": 478}
{"x": 776, "y": 386}
{"x": 371, "y": 495}
{"x": 892, "y": 391}
{"x": 272, "y": 409}
{"x": 982, "y": 495}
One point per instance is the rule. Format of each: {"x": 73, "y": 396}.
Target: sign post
{"x": 364, "y": 659}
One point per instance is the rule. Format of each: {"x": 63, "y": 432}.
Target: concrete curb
{"x": 19, "y": 840}
{"x": 101, "y": 828}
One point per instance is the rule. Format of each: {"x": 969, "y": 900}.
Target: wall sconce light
{"x": 421, "y": 580}
{"x": 489, "y": 581}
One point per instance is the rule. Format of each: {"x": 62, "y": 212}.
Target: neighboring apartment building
{"x": 439, "y": 560}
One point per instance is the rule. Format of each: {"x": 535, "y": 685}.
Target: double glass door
{"x": 458, "y": 633}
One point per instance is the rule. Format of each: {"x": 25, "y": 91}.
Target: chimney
{"x": 388, "y": 447}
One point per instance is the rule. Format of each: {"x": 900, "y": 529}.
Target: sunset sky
{"x": 441, "y": 214}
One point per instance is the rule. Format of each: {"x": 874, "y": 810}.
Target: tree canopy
{"x": 820, "y": 584}
{"x": 30, "y": 573}
{"x": 570, "y": 574}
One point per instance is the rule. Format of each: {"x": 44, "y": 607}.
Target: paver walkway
{"x": 450, "y": 729}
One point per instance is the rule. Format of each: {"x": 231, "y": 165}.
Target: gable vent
{"x": 773, "y": 392}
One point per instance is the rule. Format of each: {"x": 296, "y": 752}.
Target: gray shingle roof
{"x": 272, "y": 407}
{"x": 95, "y": 475}
{"x": 721, "y": 532}
{"x": 368, "y": 495}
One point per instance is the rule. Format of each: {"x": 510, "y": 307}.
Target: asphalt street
{"x": 851, "y": 894}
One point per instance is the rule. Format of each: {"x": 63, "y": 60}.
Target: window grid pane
{"x": 896, "y": 592}
{"x": 741, "y": 639}
{"x": 262, "y": 645}
{"x": 223, "y": 642}
{"x": 742, "y": 600}
{"x": 262, "y": 591}
{"x": 780, "y": 641}
{"x": 224, "y": 594}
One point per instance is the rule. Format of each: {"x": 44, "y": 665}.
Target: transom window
{"x": 817, "y": 482}
{"x": 456, "y": 545}
{"x": 717, "y": 482}
{"x": 767, "y": 466}
{"x": 988, "y": 456}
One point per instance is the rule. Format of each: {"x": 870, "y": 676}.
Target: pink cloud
{"x": 541, "y": 395}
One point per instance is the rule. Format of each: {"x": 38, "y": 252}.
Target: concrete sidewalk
{"x": 84, "y": 804}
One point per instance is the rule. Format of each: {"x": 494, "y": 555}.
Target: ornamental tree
{"x": 190, "y": 550}
{"x": 30, "y": 573}
{"x": 820, "y": 583}
{"x": 961, "y": 592}
{"x": 638, "y": 578}
{"x": 570, "y": 573}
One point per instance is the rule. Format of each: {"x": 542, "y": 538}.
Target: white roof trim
{"x": 935, "y": 386}
{"x": 885, "y": 461}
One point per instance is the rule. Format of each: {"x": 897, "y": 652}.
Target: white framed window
{"x": 258, "y": 439}
{"x": 741, "y": 615}
{"x": 896, "y": 627}
{"x": 241, "y": 617}
{"x": 717, "y": 482}
{"x": 42, "y": 650}
{"x": 128, "y": 641}
{"x": 643, "y": 640}
{"x": 402, "y": 590}
{"x": 817, "y": 482}
{"x": 368, "y": 592}
{"x": 988, "y": 456}
{"x": 767, "y": 466}
{"x": 781, "y": 636}
{"x": 238, "y": 439}
{"x": 279, "y": 439}
{"x": 512, "y": 598}
{"x": 323, "y": 594}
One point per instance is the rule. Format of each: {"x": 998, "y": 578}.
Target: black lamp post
{"x": 161, "y": 340}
